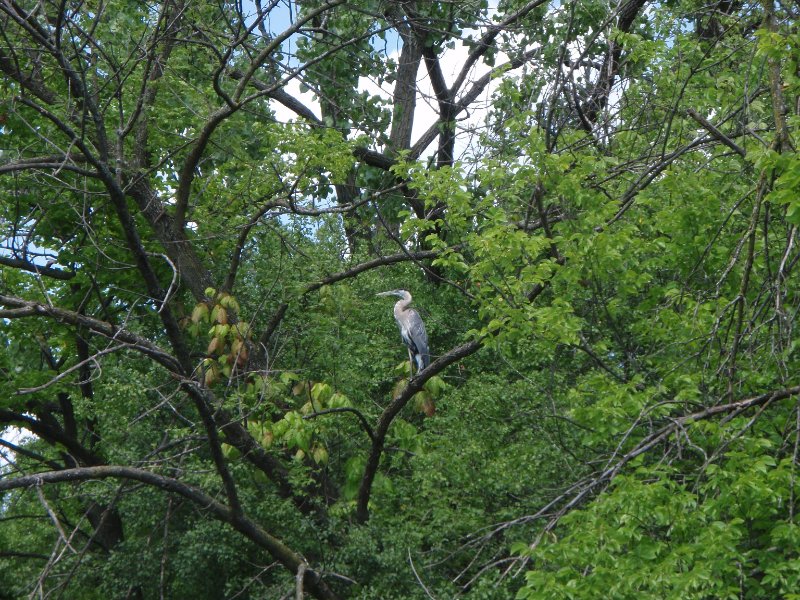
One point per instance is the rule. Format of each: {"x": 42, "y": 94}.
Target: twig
{"x": 56, "y": 523}
{"x": 60, "y": 376}
{"x": 247, "y": 527}
{"x": 419, "y": 580}
{"x": 103, "y": 328}
{"x": 173, "y": 285}
{"x": 716, "y": 133}
{"x": 344, "y": 409}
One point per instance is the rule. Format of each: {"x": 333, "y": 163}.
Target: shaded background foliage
{"x": 201, "y": 397}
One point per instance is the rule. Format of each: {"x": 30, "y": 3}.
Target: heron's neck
{"x": 402, "y": 305}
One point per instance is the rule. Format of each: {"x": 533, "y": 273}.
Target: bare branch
{"x": 276, "y": 42}
{"x": 34, "y": 85}
{"x": 418, "y": 578}
{"x": 466, "y": 99}
{"x": 53, "y": 433}
{"x": 345, "y": 409}
{"x": 486, "y": 41}
{"x": 343, "y": 275}
{"x": 29, "y": 454}
{"x": 250, "y": 529}
{"x": 204, "y": 407}
{"x": 589, "y": 486}
{"x": 73, "y": 368}
{"x": 32, "y": 267}
{"x": 301, "y": 573}
{"x": 280, "y": 95}
{"x": 370, "y": 157}
{"x": 103, "y": 328}
{"x": 625, "y": 14}
{"x": 55, "y": 163}
{"x": 372, "y": 264}
{"x": 235, "y": 103}
{"x": 391, "y": 411}
{"x": 716, "y": 132}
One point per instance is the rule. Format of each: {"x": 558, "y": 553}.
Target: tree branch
{"x": 250, "y": 529}
{"x": 372, "y": 158}
{"x": 103, "y": 328}
{"x": 404, "y": 99}
{"x": 467, "y": 99}
{"x": 581, "y": 490}
{"x": 486, "y": 41}
{"x": 276, "y": 42}
{"x": 345, "y": 409}
{"x": 170, "y": 17}
{"x": 716, "y": 132}
{"x": 31, "y": 267}
{"x": 234, "y": 104}
{"x": 28, "y": 453}
{"x": 626, "y": 15}
{"x": 173, "y": 239}
{"x": 372, "y": 264}
{"x": 342, "y": 275}
{"x": 279, "y": 95}
{"x": 391, "y": 411}
{"x": 54, "y": 434}
{"x": 35, "y": 86}
{"x": 56, "y": 163}
{"x": 204, "y": 407}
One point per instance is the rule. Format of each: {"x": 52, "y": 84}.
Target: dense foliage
{"x": 595, "y": 205}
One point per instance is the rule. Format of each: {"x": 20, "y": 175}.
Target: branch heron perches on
{"x": 412, "y": 330}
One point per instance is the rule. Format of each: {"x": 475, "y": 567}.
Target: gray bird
{"x": 412, "y": 330}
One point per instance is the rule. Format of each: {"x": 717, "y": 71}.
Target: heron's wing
{"x": 418, "y": 335}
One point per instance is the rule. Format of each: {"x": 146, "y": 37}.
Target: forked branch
{"x": 250, "y": 529}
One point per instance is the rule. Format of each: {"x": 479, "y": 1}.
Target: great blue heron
{"x": 412, "y": 329}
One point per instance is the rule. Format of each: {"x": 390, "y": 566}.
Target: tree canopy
{"x": 594, "y": 204}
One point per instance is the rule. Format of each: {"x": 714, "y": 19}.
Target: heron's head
{"x": 398, "y": 293}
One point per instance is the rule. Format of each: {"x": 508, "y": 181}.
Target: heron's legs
{"x": 411, "y": 365}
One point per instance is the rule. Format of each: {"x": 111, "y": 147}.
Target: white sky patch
{"x": 470, "y": 122}
{"x": 426, "y": 113}
{"x": 307, "y": 97}
{"x": 452, "y": 60}
{"x": 15, "y": 436}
